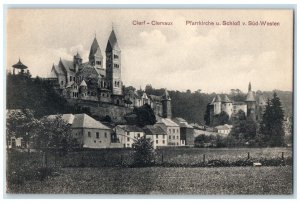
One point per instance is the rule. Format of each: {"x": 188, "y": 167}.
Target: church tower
{"x": 166, "y": 105}
{"x": 113, "y": 64}
{"x": 95, "y": 56}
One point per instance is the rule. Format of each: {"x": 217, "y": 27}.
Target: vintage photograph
{"x": 149, "y": 101}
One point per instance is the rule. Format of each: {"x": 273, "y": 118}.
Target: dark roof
{"x": 155, "y": 98}
{"x": 250, "y": 97}
{"x": 130, "y": 128}
{"x": 153, "y": 130}
{"x": 19, "y": 65}
{"x": 95, "y": 48}
{"x": 226, "y": 99}
{"x": 112, "y": 43}
{"x": 68, "y": 65}
{"x": 85, "y": 121}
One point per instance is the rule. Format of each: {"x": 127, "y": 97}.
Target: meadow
{"x": 177, "y": 171}
{"x": 158, "y": 180}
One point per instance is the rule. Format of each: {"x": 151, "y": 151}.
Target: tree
{"x": 145, "y": 115}
{"x": 21, "y": 123}
{"x": 144, "y": 153}
{"x": 271, "y": 126}
{"x": 223, "y": 118}
{"x": 207, "y": 115}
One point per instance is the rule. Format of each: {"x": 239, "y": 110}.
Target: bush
{"x": 144, "y": 154}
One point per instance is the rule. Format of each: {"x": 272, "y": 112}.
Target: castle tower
{"x": 113, "y": 64}
{"x": 227, "y": 106}
{"x": 166, "y": 105}
{"x": 217, "y": 105}
{"x": 251, "y": 104}
{"x": 77, "y": 61}
{"x": 95, "y": 56}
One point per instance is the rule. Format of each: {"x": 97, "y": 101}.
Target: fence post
{"x": 248, "y": 155}
{"x": 162, "y": 157}
{"x": 203, "y": 158}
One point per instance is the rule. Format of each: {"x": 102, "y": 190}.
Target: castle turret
{"x": 227, "y": 106}
{"x": 217, "y": 104}
{"x": 251, "y": 104}
{"x": 95, "y": 56}
{"x": 166, "y": 105}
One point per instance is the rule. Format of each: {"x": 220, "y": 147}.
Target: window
{"x": 116, "y": 65}
{"x": 116, "y": 56}
{"x": 70, "y": 78}
{"x": 138, "y": 135}
{"x": 127, "y": 133}
{"x": 177, "y": 137}
{"x": 173, "y": 130}
{"x": 105, "y": 135}
{"x": 73, "y": 78}
{"x": 164, "y": 136}
{"x": 169, "y": 130}
{"x": 98, "y": 62}
{"x": 156, "y": 141}
{"x": 163, "y": 141}
{"x": 62, "y": 82}
{"x": 97, "y": 135}
{"x": 173, "y": 137}
{"x": 156, "y": 136}
{"x": 128, "y": 139}
{"x": 177, "y": 130}
{"x": 128, "y": 145}
{"x": 89, "y": 134}
{"x": 94, "y": 141}
{"x": 169, "y": 136}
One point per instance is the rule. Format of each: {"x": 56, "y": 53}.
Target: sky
{"x": 177, "y": 57}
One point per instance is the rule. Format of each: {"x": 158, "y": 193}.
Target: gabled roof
{"x": 153, "y": 130}
{"x": 83, "y": 83}
{"x": 168, "y": 122}
{"x": 218, "y": 98}
{"x": 68, "y": 65}
{"x": 250, "y": 97}
{"x": 112, "y": 43}
{"x": 226, "y": 99}
{"x": 85, "y": 121}
{"x": 130, "y": 128}
{"x": 223, "y": 127}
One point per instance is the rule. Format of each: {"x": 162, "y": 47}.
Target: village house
{"x": 127, "y": 134}
{"x": 157, "y": 136}
{"x": 223, "y": 129}
{"x": 186, "y": 131}
{"x": 89, "y": 132}
{"x": 172, "y": 129}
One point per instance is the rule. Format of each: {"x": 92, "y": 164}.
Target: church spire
{"x": 112, "y": 43}
{"x": 95, "y": 56}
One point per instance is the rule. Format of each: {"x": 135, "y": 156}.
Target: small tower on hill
{"x": 251, "y": 103}
{"x": 166, "y": 105}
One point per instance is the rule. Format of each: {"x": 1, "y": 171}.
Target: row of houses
{"x": 91, "y": 133}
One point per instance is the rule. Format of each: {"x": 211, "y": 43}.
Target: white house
{"x": 172, "y": 129}
{"x": 127, "y": 134}
{"x": 157, "y": 135}
{"x": 223, "y": 129}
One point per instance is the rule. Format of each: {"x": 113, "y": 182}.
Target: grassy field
{"x": 157, "y": 180}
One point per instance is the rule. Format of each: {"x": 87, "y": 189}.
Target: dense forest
{"x": 39, "y": 95}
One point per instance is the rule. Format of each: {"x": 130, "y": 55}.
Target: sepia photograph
{"x": 114, "y": 101}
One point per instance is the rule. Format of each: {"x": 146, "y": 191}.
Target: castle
{"x": 253, "y": 106}
{"x": 91, "y": 82}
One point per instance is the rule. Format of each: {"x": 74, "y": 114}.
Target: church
{"x": 91, "y": 82}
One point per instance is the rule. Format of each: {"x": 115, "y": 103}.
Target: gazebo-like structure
{"x": 19, "y": 66}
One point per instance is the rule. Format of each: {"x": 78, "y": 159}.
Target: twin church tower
{"x": 90, "y": 80}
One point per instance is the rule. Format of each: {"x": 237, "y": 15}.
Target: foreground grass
{"x": 157, "y": 180}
